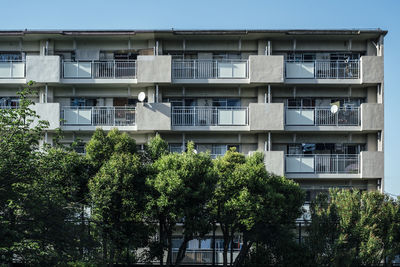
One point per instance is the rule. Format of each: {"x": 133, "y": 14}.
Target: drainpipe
{"x": 269, "y": 93}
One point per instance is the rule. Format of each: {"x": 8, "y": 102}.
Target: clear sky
{"x": 232, "y": 14}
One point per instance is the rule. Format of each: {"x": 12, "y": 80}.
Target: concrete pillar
{"x": 262, "y": 139}
{"x": 371, "y": 94}
{"x": 262, "y": 94}
{"x": 151, "y": 94}
{"x": 372, "y": 185}
{"x": 372, "y": 142}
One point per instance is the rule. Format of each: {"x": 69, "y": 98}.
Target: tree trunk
{"x": 243, "y": 252}
{"x": 82, "y": 232}
{"x": 162, "y": 238}
{"x": 169, "y": 257}
{"x": 104, "y": 249}
{"x": 225, "y": 252}
{"x": 181, "y": 252}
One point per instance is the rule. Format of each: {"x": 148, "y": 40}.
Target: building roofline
{"x": 198, "y": 32}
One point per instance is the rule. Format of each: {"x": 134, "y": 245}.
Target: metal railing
{"x": 323, "y": 69}
{"x": 210, "y": 69}
{"x": 323, "y": 163}
{"x": 209, "y": 116}
{"x": 322, "y": 116}
{"x": 12, "y": 69}
{"x": 99, "y": 69}
{"x": 98, "y": 116}
{"x": 204, "y": 256}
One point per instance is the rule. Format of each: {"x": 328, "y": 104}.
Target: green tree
{"x": 118, "y": 195}
{"x": 184, "y": 184}
{"x": 19, "y": 143}
{"x": 354, "y": 228}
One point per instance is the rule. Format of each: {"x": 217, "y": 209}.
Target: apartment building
{"x": 311, "y": 100}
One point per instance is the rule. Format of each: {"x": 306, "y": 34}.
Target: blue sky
{"x": 232, "y": 14}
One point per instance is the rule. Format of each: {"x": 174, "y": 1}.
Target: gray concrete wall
{"x": 43, "y": 69}
{"x": 153, "y": 117}
{"x": 266, "y": 69}
{"x": 274, "y": 162}
{"x": 154, "y": 69}
{"x": 49, "y": 112}
{"x": 266, "y": 117}
{"x": 372, "y": 164}
{"x": 372, "y": 69}
{"x": 372, "y": 117}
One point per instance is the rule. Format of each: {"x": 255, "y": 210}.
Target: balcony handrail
{"x": 322, "y": 60}
{"x": 325, "y": 69}
{"x": 98, "y": 115}
{"x": 103, "y": 69}
{"x": 328, "y": 163}
{"x": 210, "y": 69}
{"x": 345, "y": 116}
{"x": 208, "y": 107}
{"x": 9, "y": 72}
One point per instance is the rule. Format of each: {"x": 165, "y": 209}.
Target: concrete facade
{"x": 154, "y": 69}
{"x": 266, "y": 69}
{"x": 219, "y": 89}
{"x": 43, "y": 69}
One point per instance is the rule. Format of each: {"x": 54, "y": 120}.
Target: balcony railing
{"x": 323, "y": 69}
{"x": 204, "y": 256}
{"x": 322, "y": 116}
{"x": 12, "y": 69}
{"x": 210, "y": 69}
{"x": 111, "y": 69}
{"x": 209, "y": 116}
{"x": 329, "y": 163}
{"x": 98, "y": 116}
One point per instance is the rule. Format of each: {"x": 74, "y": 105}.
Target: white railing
{"x": 204, "y": 256}
{"x": 12, "y": 69}
{"x": 110, "y": 69}
{"x": 322, "y": 116}
{"x": 210, "y": 69}
{"x": 323, "y": 69}
{"x": 98, "y": 116}
{"x": 323, "y": 163}
{"x": 209, "y": 116}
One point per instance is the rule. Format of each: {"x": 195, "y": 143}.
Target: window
{"x": 175, "y": 148}
{"x": 226, "y": 102}
{"x": 83, "y": 102}
{"x": 220, "y": 150}
{"x": 10, "y": 56}
{"x": 9, "y": 102}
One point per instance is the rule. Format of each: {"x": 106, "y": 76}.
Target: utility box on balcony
{"x": 43, "y": 69}
{"x": 266, "y": 69}
{"x": 153, "y": 117}
{"x": 274, "y": 162}
{"x": 154, "y": 69}
{"x": 266, "y": 116}
{"x": 372, "y": 164}
{"x": 48, "y": 112}
{"x": 372, "y": 117}
{"x": 372, "y": 69}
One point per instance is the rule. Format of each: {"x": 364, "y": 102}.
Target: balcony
{"x": 87, "y": 118}
{"x": 203, "y": 70}
{"x": 107, "y": 70}
{"x": 323, "y": 70}
{"x": 206, "y": 118}
{"x": 320, "y": 118}
{"x": 13, "y": 69}
{"x": 204, "y": 256}
{"x": 320, "y": 165}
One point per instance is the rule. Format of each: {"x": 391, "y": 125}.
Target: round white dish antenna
{"x": 141, "y": 96}
{"x": 334, "y": 109}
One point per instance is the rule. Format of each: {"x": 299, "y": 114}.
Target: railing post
{"x": 114, "y": 69}
{"x": 11, "y": 68}
{"x": 194, "y": 69}
{"x": 337, "y": 163}
{"x": 194, "y": 116}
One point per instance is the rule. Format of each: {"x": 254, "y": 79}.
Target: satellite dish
{"x": 334, "y": 109}
{"x": 141, "y": 96}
